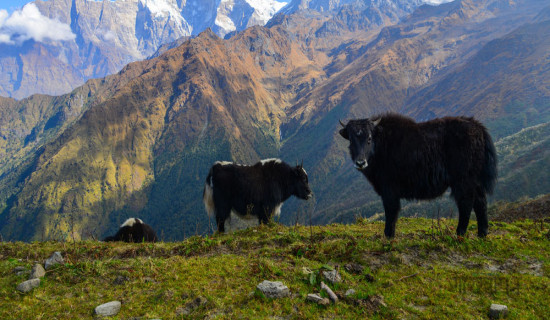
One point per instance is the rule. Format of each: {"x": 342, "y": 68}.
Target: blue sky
{"x": 11, "y": 5}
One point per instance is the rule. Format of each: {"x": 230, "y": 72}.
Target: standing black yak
{"x": 252, "y": 191}
{"x": 134, "y": 230}
{"x": 405, "y": 159}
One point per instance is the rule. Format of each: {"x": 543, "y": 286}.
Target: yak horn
{"x": 343, "y": 125}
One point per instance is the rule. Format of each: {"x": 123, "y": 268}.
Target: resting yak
{"x": 252, "y": 191}
{"x": 405, "y": 159}
{"x": 134, "y": 230}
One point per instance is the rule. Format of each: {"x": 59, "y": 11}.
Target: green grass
{"x": 426, "y": 272}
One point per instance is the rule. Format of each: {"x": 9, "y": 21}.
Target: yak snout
{"x": 360, "y": 164}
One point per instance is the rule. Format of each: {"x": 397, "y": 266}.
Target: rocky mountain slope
{"x": 148, "y": 135}
{"x": 53, "y": 46}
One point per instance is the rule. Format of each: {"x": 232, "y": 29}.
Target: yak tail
{"x": 208, "y": 195}
{"x": 489, "y": 171}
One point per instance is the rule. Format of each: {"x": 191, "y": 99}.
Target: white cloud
{"x": 29, "y": 23}
{"x": 437, "y": 2}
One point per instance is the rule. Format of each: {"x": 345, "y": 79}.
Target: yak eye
{"x": 370, "y": 139}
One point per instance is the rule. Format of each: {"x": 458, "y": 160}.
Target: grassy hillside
{"x": 426, "y": 272}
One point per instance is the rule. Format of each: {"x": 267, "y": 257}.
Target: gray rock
{"x": 498, "y": 311}
{"x": 273, "y": 289}
{"x": 315, "y": 297}
{"x": 332, "y": 276}
{"x": 28, "y": 285}
{"x": 350, "y": 292}
{"x": 377, "y": 301}
{"x": 56, "y": 258}
{"x": 37, "y": 272}
{"x": 108, "y": 309}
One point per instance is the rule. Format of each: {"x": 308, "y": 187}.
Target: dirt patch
{"x": 515, "y": 265}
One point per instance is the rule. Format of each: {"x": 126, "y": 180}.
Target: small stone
{"x": 181, "y": 311}
{"x": 23, "y": 273}
{"x": 37, "y": 272}
{"x": 273, "y": 289}
{"x": 349, "y": 292}
{"x": 28, "y": 285}
{"x": 377, "y": 301}
{"x": 108, "y": 309}
{"x": 498, "y": 311}
{"x": 314, "y": 297}
{"x": 56, "y": 258}
{"x": 332, "y": 276}
{"x": 149, "y": 280}
{"x": 19, "y": 269}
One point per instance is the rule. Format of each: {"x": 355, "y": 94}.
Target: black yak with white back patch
{"x": 134, "y": 230}
{"x": 405, "y": 159}
{"x": 252, "y": 191}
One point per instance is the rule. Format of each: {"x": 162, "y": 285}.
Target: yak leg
{"x": 263, "y": 219}
{"x": 221, "y": 224}
{"x": 480, "y": 208}
{"x": 391, "y": 210}
{"x": 263, "y": 214}
{"x": 223, "y": 212}
{"x": 464, "y": 202}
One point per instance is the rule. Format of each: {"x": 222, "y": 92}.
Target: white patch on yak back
{"x": 274, "y": 160}
{"x": 130, "y": 222}
{"x": 223, "y": 163}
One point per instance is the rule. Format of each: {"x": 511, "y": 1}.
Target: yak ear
{"x": 344, "y": 133}
{"x": 376, "y": 121}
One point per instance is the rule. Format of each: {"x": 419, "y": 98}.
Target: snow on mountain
{"x": 90, "y": 39}
{"x": 265, "y": 9}
{"x": 235, "y": 15}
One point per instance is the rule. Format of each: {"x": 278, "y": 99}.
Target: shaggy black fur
{"x": 134, "y": 230}
{"x": 258, "y": 190}
{"x": 405, "y": 159}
